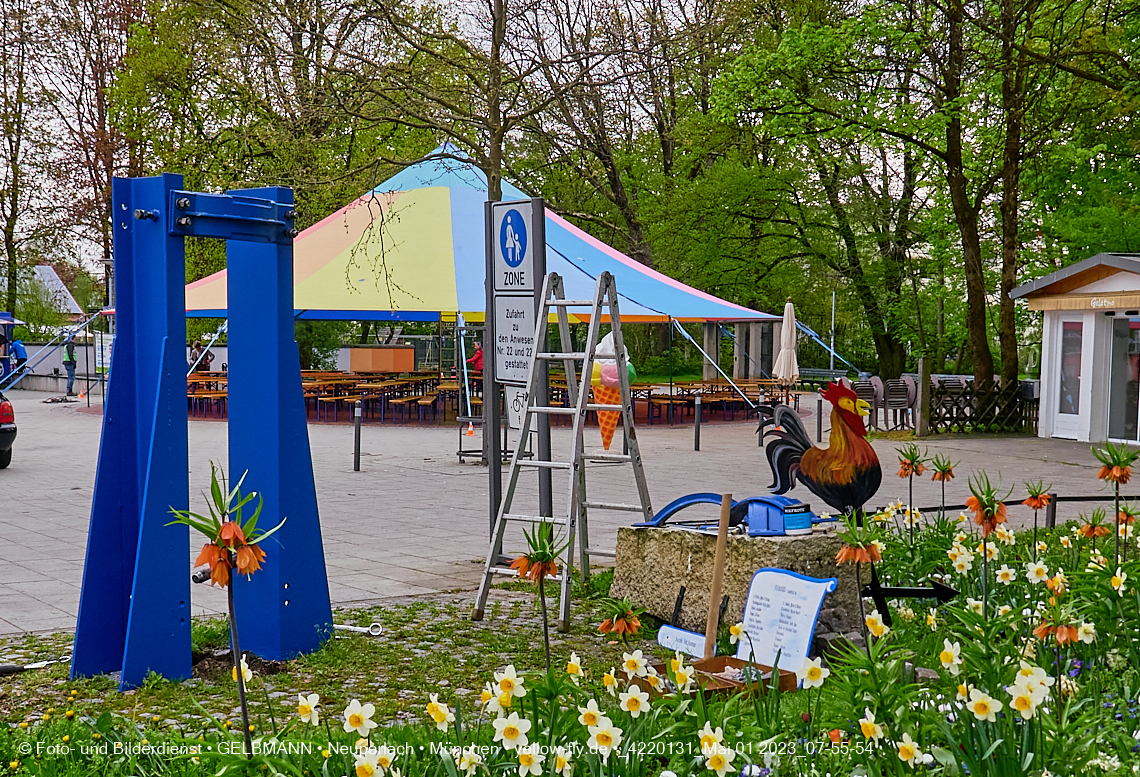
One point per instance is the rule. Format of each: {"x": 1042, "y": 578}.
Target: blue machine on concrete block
{"x": 764, "y": 516}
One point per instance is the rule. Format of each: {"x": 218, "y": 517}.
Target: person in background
{"x": 206, "y": 360}
{"x": 69, "y": 362}
{"x": 476, "y": 360}
{"x": 3, "y": 355}
{"x": 21, "y": 354}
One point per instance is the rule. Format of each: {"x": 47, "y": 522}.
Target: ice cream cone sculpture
{"x": 607, "y": 419}
{"x": 607, "y": 389}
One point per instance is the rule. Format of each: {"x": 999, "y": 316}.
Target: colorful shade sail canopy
{"x": 414, "y": 248}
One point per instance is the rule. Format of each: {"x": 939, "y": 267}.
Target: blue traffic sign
{"x": 512, "y": 238}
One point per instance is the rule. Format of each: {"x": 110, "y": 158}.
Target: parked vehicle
{"x": 7, "y": 431}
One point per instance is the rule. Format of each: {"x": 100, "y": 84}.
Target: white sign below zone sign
{"x": 514, "y": 338}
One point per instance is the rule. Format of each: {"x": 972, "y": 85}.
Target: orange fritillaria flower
{"x": 217, "y": 558}
{"x": 1038, "y": 502}
{"x": 1119, "y": 475}
{"x": 864, "y": 555}
{"x": 1092, "y": 531}
{"x": 534, "y": 570}
{"x": 248, "y": 559}
{"x": 1123, "y": 517}
{"x": 220, "y": 574}
{"x": 908, "y": 468}
{"x": 1061, "y": 634}
{"x": 987, "y": 522}
{"x": 231, "y": 535}
{"x": 211, "y": 554}
{"x": 943, "y": 475}
{"x": 623, "y": 624}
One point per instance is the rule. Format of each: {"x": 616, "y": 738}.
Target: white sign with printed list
{"x": 514, "y": 338}
{"x": 780, "y": 617}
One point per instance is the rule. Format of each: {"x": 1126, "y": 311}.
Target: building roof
{"x": 1078, "y": 275}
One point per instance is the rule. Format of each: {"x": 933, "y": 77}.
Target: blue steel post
{"x": 134, "y": 610}
{"x": 283, "y": 610}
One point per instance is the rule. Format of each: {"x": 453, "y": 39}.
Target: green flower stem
{"x": 237, "y": 666}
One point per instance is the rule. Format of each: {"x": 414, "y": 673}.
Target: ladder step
{"x": 553, "y": 410}
{"x": 508, "y": 572}
{"x": 607, "y": 553}
{"x": 615, "y": 506}
{"x": 571, "y": 303}
{"x": 535, "y": 519}
{"x": 573, "y": 355}
{"x": 614, "y": 408}
{"x": 607, "y": 457}
{"x": 544, "y": 464}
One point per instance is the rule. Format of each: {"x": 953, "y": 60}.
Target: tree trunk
{"x": 1013, "y": 112}
{"x": 965, "y": 211}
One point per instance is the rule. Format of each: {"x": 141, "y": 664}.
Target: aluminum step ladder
{"x": 574, "y": 522}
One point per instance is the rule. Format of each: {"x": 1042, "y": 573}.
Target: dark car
{"x": 7, "y": 431}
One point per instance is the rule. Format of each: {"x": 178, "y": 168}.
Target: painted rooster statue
{"x": 844, "y": 475}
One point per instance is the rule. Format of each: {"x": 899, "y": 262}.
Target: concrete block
{"x": 652, "y": 565}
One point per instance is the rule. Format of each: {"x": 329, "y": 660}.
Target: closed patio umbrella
{"x": 786, "y": 371}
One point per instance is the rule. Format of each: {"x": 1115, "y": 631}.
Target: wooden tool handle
{"x": 718, "y": 575}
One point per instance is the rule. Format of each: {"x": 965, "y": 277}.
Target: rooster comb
{"x": 837, "y": 391}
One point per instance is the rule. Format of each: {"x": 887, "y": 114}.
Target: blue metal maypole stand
{"x": 134, "y": 611}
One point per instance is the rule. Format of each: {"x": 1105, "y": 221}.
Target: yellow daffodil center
{"x": 631, "y": 664}
{"x": 867, "y": 727}
{"x": 906, "y": 752}
{"x": 384, "y": 761}
{"x": 506, "y": 685}
{"x": 560, "y": 763}
{"x": 1116, "y": 581}
{"x": 438, "y": 715}
{"x": 304, "y": 710}
{"x": 365, "y": 770}
{"x": 604, "y": 739}
{"x": 609, "y": 679}
{"x": 355, "y": 720}
{"x": 505, "y": 700}
{"x": 510, "y": 732}
{"x": 526, "y": 759}
{"x": 716, "y": 763}
{"x": 982, "y": 708}
{"x": 946, "y": 657}
{"x": 589, "y": 719}
{"x": 814, "y": 673}
{"x": 1022, "y": 703}
{"x": 634, "y": 703}
{"x": 708, "y": 742}
{"x": 573, "y": 669}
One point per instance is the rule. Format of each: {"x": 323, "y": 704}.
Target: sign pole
{"x": 491, "y": 414}
{"x": 545, "y": 483}
{"x": 516, "y": 263}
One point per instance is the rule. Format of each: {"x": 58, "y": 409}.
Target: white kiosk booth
{"x": 1090, "y": 348}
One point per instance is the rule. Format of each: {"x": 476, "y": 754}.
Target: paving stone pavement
{"x": 414, "y": 520}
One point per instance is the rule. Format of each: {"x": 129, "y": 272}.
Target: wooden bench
{"x": 428, "y": 400}
{"x": 334, "y": 401}
{"x": 402, "y": 403}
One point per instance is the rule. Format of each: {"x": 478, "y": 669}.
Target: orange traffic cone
{"x": 607, "y": 419}
{"x": 470, "y": 429}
